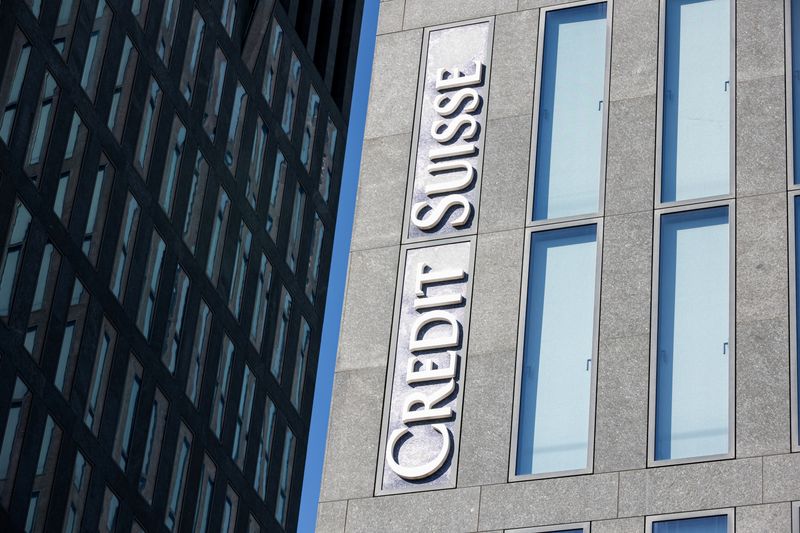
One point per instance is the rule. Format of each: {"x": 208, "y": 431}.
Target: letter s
{"x": 452, "y": 128}
{"x": 437, "y": 212}
{"x": 446, "y": 104}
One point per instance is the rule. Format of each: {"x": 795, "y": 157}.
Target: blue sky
{"x": 341, "y": 249}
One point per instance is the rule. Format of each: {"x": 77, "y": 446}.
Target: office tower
{"x": 583, "y": 316}
{"x": 170, "y": 171}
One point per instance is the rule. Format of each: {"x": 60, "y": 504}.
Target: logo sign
{"x": 445, "y": 175}
{"x": 423, "y": 413}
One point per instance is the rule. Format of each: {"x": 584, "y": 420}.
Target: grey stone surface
{"x": 762, "y": 269}
{"x": 674, "y": 489}
{"x": 331, "y": 517}
{"x": 759, "y": 39}
{"x": 630, "y": 160}
{"x": 488, "y": 392}
{"x": 531, "y": 4}
{"x": 549, "y": 501}
{"x": 514, "y": 64}
{"x": 622, "y": 401}
{"x": 440, "y": 511}
{"x": 353, "y": 435}
{"x": 390, "y": 16}
{"x": 504, "y": 186}
{"x": 378, "y": 219}
{"x": 626, "y": 276}
{"x": 364, "y": 338}
{"x": 634, "y": 49}
{"x": 760, "y": 136}
{"x": 782, "y": 478}
{"x": 764, "y": 518}
{"x": 626, "y": 525}
{"x": 762, "y": 388}
{"x": 429, "y": 12}
{"x": 393, "y": 88}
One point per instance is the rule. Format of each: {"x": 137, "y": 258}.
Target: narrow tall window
{"x": 122, "y": 88}
{"x": 328, "y": 155}
{"x": 281, "y": 332}
{"x": 127, "y": 413}
{"x": 560, "y": 318}
{"x": 218, "y": 228}
{"x": 263, "y": 288}
{"x": 177, "y": 310}
{"x": 693, "y": 349}
{"x": 122, "y": 261}
{"x": 794, "y": 83}
{"x": 199, "y": 350}
{"x": 152, "y": 275}
{"x": 296, "y": 229}
{"x": 153, "y": 444}
{"x": 256, "y": 162}
{"x": 571, "y": 112}
{"x": 176, "y": 146}
{"x": 100, "y": 374}
{"x": 276, "y": 195}
{"x": 20, "y": 222}
{"x": 148, "y": 128}
{"x": 697, "y": 96}
{"x": 222, "y": 384}
{"x": 197, "y": 192}
{"x": 235, "y": 127}
{"x": 310, "y": 128}
{"x": 243, "y": 415}
{"x": 190, "y": 64}
{"x": 285, "y": 480}
{"x": 273, "y": 59}
{"x": 178, "y": 481}
{"x": 264, "y": 449}
{"x": 214, "y": 97}
{"x": 290, "y": 99}
{"x": 18, "y": 65}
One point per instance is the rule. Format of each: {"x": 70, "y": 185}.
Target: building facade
{"x": 170, "y": 172}
{"x": 571, "y": 301}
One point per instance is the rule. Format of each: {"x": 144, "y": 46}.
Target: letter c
{"x": 424, "y": 470}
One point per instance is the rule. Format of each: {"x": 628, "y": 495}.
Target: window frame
{"x": 728, "y": 512}
{"x": 598, "y": 222}
{"x": 788, "y": 64}
{"x": 794, "y": 365}
{"x": 662, "y": 38}
{"x": 654, "y": 291}
{"x": 530, "y": 222}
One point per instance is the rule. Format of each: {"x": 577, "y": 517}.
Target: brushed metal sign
{"x": 449, "y": 132}
{"x": 422, "y": 417}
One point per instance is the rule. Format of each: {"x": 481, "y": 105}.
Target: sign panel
{"x": 423, "y": 413}
{"x": 445, "y": 174}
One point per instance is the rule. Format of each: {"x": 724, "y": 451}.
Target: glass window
{"x": 264, "y": 449}
{"x": 175, "y": 317}
{"x": 228, "y": 15}
{"x": 694, "y": 359}
{"x": 189, "y": 72}
{"x": 12, "y": 436}
{"x": 261, "y": 307}
{"x": 15, "y": 72}
{"x": 127, "y": 412}
{"x": 79, "y": 490}
{"x": 707, "y": 524}
{"x": 314, "y": 259}
{"x": 178, "y": 481}
{"x": 204, "y": 494}
{"x": 290, "y": 99}
{"x": 101, "y": 194}
{"x": 139, "y": 9}
{"x": 122, "y": 88}
{"x": 199, "y": 350}
{"x": 122, "y": 258}
{"x": 30, "y": 520}
{"x": 153, "y": 444}
{"x": 328, "y": 155}
{"x": 285, "y": 480}
{"x": 301, "y": 360}
{"x": 108, "y": 518}
{"x": 217, "y": 242}
{"x": 794, "y": 73}
{"x": 281, "y": 332}
{"x": 96, "y": 49}
{"x": 64, "y": 24}
{"x": 273, "y": 61}
{"x": 296, "y": 229}
{"x": 148, "y": 128}
{"x": 20, "y": 223}
{"x": 697, "y": 96}
{"x": 64, "y": 356}
{"x": 222, "y": 384}
{"x": 554, "y": 428}
{"x": 43, "y": 123}
{"x": 229, "y": 511}
{"x": 276, "y": 195}
{"x": 256, "y": 162}
{"x": 166, "y": 30}
{"x": 214, "y": 97}
{"x": 235, "y": 127}
{"x": 243, "y": 416}
{"x": 177, "y": 144}
{"x": 100, "y": 374}
{"x": 571, "y": 113}
{"x": 152, "y": 275}
{"x": 46, "y": 280}
{"x": 310, "y": 128}
{"x": 197, "y": 191}
{"x": 242, "y": 260}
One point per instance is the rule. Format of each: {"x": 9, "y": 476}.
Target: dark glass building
{"x": 169, "y": 176}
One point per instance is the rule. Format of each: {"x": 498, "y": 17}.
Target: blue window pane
{"x": 797, "y": 280}
{"x": 709, "y": 524}
{"x": 795, "y": 73}
{"x": 554, "y": 425}
{"x": 697, "y": 100}
{"x": 570, "y": 122}
{"x": 692, "y": 375}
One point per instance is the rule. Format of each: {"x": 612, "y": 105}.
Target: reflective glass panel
{"x": 708, "y": 524}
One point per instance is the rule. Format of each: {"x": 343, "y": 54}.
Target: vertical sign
{"x": 422, "y": 414}
{"x": 445, "y": 172}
